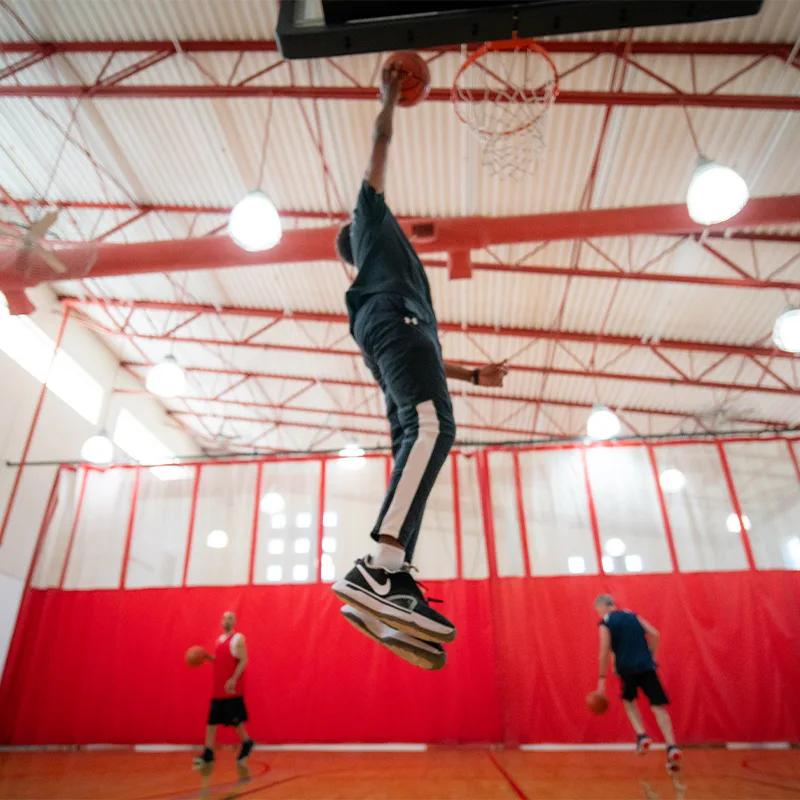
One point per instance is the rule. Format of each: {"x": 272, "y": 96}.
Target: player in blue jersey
{"x": 634, "y": 642}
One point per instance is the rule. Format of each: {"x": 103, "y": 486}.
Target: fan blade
{"x": 52, "y": 260}
{"x": 39, "y": 228}
{"x": 18, "y": 303}
{"x": 14, "y": 235}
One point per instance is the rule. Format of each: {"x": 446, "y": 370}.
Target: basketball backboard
{"x": 324, "y": 28}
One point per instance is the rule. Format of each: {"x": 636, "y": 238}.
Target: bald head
{"x": 603, "y": 604}
{"x": 228, "y": 621}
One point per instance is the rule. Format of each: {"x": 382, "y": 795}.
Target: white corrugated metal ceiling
{"x": 305, "y": 376}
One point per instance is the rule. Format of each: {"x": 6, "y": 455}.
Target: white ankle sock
{"x": 388, "y": 557}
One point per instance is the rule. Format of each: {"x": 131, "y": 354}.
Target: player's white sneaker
{"x": 427, "y": 655}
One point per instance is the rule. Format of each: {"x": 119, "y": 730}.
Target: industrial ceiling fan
{"x": 26, "y": 259}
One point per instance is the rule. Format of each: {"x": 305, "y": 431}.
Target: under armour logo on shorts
{"x": 411, "y": 320}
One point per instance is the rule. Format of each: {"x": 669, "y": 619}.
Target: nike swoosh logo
{"x": 381, "y": 589}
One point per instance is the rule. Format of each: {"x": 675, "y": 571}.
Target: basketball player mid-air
{"x": 393, "y": 322}
{"x": 227, "y": 696}
{"x": 634, "y": 642}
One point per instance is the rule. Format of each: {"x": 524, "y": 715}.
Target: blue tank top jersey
{"x": 628, "y": 642}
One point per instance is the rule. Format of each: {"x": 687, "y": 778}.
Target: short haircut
{"x": 604, "y": 600}
{"x": 343, "y": 246}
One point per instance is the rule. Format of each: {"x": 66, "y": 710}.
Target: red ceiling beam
{"x": 747, "y": 282}
{"x": 467, "y": 426}
{"x": 184, "y": 208}
{"x": 760, "y": 102}
{"x": 333, "y": 412}
{"x": 676, "y": 48}
{"x": 281, "y": 423}
{"x": 569, "y": 373}
{"x": 433, "y": 235}
{"x": 162, "y": 208}
{"x": 454, "y": 327}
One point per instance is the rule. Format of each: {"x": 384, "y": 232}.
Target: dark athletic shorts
{"x": 227, "y": 711}
{"x": 649, "y": 683}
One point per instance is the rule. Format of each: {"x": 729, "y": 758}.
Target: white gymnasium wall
{"x": 59, "y": 436}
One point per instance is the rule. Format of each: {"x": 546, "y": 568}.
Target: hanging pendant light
{"x": 166, "y": 379}
{"x": 716, "y": 193}
{"x": 602, "y": 424}
{"x": 254, "y": 223}
{"x": 98, "y": 449}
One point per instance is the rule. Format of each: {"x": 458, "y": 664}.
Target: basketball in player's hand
{"x": 415, "y": 77}
{"x": 597, "y": 703}
{"x": 195, "y": 656}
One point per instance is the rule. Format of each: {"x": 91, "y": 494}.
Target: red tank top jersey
{"x": 225, "y": 664}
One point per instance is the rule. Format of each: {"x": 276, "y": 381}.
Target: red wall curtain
{"x": 107, "y": 665}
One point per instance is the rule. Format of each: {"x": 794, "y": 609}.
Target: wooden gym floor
{"x": 437, "y": 773}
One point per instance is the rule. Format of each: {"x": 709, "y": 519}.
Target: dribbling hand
{"x": 230, "y": 686}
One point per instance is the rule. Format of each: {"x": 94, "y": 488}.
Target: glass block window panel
{"x": 354, "y": 491}
{"x": 507, "y": 537}
{"x": 435, "y": 555}
{"x": 56, "y": 538}
{"x": 96, "y": 558}
{"x": 560, "y": 538}
{"x": 223, "y": 526}
{"x": 769, "y": 494}
{"x": 160, "y": 530}
{"x": 473, "y": 541}
{"x": 628, "y": 514}
{"x": 699, "y": 506}
{"x": 288, "y": 522}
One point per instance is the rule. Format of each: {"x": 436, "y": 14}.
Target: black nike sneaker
{"x": 204, "y": 760}
{"x": 427, "y": 655}
{"x": 395, "y": 599}
{"x": 245, "y": 751}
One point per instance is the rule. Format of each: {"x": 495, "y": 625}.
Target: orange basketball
{"x": 416, "y": 80}
{"x": 598, "y": 703}
{"x": 195, "y": 656}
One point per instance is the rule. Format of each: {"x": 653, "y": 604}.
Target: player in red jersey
{"x": 227, "y": 697}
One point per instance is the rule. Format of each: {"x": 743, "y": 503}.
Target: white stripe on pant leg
{"x": 414, "y": 470}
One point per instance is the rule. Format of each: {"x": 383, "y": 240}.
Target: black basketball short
{"x": 649, "y": 683}
{"x": 227, "y": 711}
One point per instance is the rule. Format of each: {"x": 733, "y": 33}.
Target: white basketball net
{"x": 504, "y": 97}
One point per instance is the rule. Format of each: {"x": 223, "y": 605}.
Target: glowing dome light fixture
{"x": 272, "y": 503}
{"x": 166, "y": 379}
{"x": 352, "y": 450}
{"x": 786, "y": 333}
{"x": 254, "y": 223}
{"x": 615, "y": 547}
{"x": 603, "y": 424}
{"x": 716, "y": 193}
{"x": 672, "y": 480}
{"x": 98, "y": 449}
{"x": 217, "y": 540}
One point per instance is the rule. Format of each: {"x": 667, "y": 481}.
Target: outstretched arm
{"x": 382, "y": 133}
{"x": 490, "y": 375}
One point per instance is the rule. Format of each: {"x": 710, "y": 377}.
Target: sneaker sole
{"x": 419, "y": 656}
{"x": 398, "y": 618}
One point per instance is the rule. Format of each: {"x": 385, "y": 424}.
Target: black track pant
{"x": 401, "y": 347}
